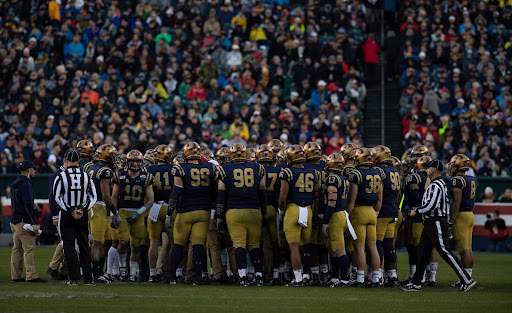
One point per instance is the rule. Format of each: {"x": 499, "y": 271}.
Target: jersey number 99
{"x": 200, "y": 177}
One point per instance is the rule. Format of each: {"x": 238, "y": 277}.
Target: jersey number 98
{"x": 243, "y": 178}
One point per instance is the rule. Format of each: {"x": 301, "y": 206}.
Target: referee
{"x": 435, "y": 212}
{"x": 75, "y": 194}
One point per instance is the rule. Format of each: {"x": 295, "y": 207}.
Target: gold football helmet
{"x": 363, "y": 157}
{"x": 85, "y": 148}
{"x": 238, "y": 153}
{"x": 163, "y": 153}
{"x": 148, "y": 157}
{"x": 134, "y": 160}
{"x": 458, "y": 163}
{"x": 192, "y": 151}
{"x": 335, "y": 162}
{"x": 281, "y": 156}
{"x": 222, "y": 155}
{"x": 381, "y": 154}
{"x": 407, "y": 164}
{"x": 295, "y": 154}
{"x": 419, "y": 151}
{"x": 396, "y": 163}
{"x": 348, "y": 151}
{"x": 208, "y": 154}
{"x": 275, "y": 145}
{"x": 264, "y": 154}
{"x": 422, "y": 163}
{"x": 313, "y": 151}
{"x": 106, "y": 154}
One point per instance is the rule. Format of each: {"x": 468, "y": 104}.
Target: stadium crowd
{"x": 455, "y": 75}
{"x": 136, "y": 74}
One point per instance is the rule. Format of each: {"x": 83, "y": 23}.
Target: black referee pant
{"x": 72, "y": 230}
{"x": 435, "y": 235}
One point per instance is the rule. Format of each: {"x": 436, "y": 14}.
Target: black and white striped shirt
{"x": 74, "y": 189}
{"x": 435, "y": 204}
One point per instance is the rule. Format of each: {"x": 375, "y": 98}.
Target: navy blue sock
{"x": 176, "y": 255}
{"x": 306, "y": 258}
{"x": 241, "y": 258}
{"x": 335, "y": 267}
{"x": 379, "y": 249}
{"x": 256, "y": 260}
{"x": 389, "y": 251}
{"x": 197, "y": 258}
{"x": 344, "y": 265}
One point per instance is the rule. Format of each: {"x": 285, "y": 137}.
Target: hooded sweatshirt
{"x": 22, "y": 198}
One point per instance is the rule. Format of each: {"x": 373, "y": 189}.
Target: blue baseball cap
{"x": 25, "y": 165}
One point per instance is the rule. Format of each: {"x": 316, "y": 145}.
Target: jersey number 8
{"x": 243, "y": 178}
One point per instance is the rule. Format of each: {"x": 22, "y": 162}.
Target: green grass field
{"x": 493, "y": 293}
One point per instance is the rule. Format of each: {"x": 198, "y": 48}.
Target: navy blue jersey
{"x": 198, "y": 181}
{"x": 391, "y": 184}
{"x": 323, "y": 177}
{"x": 98, "y": 172}
{"x": 369, "y": 182}
{"x": 273, "y": 184}
{"x": 342, "y": 184}
{"x": 242, "y": 181}
{"x": 162, "y": 181}
{"x": 347, "y": 169}
{"x": 82, "y": 163}
{"x": 422, "y": 180}
{"x": 468, "y": 184}
{"x": 133, "y": 190}
{"x": 301, "y": 182}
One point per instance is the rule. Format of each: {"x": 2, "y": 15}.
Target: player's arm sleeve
{"x": 414, "y": 194}
{"x": 355, "y": 177}
{"x": 332, "y": 185}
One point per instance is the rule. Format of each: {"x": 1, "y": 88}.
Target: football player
{"x": 319, "y": 252}
{"x": 275, "y": 145}
{"x": 335, "y": 219}
{"x": 133, "y": 195}
{"x": 242, "y": 203}
{"x": 364, "y": 203}
{"x": 298, "y": 198}
{"x": 388, "y": 214}
{"x": 149, "y": 158}
{"x": 348, "y": 151}
{"x": 101, "y": 174}
{"x": 191, "y": 197}
{"x": 271, "y": 254}
{"x": 86, "y": 150}
{"x": 461, "y": 214}
{"x": 162, "y": 186}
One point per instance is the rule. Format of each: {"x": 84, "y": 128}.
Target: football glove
{"x": 28, "y": 227}
{"x": 324, "y": 230}
{"x": 115, "y": 220}
{"x": 168, "y": 222}
{"x": 133, "y": 218}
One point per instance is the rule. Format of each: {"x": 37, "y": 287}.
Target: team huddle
{"x": 267, "y": 216}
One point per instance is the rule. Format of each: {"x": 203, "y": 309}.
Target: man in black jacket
{"x": 23, "y": 226}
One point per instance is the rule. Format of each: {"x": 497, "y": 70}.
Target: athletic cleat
{"x": 201, "y": 282}
{"x": 243, "y": 281}
{"x": 457, "y": 284}
{"x": 71, "y": 283}
{"x": 326, "y": 279}
{"x": 373, "y": 284}
{"x": 338, "y": 284}
{"x": 466, "y": 287}
{"x": 259, "y": 281}
{"x": 430, "y": 284}
{"x": 293, "y": 283}
{"x": 90, "y": 284}
{"x": 356, "y": 284}
{"x": 153, "y": 279}
{"x": 103, "y": 279}
{"x": 180, "y": 280}
{"x": 132, "y": 279}
{"x": 392, "y": 282}
{"x": 410, "y": 287}
{"x": 315, "y": 280}
{"x": 306, "y": 281}
{"x": 405, "y": 282}
{"x": 172, "y": 281}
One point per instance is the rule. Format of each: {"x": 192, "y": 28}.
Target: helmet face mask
{"x": 134, "y": 160}
{"x": 85, "y": 148}
{"x": 422, "y": 163}
{"x": 348, "y": 151}
{"x": 222, "y": 156}
{"x": 264, "y": 154}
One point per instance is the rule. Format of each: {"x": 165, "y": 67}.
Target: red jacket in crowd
{"x": 371, "y": 51}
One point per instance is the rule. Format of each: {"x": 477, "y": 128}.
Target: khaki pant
{"x": 58, "y": 261}
{"x": 23, "y": 249}
{"x": 162, "y": 264}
